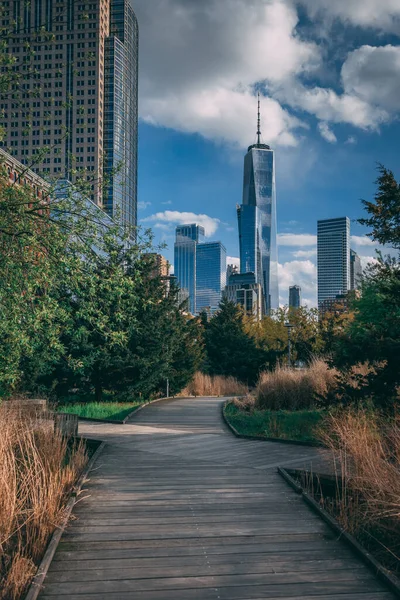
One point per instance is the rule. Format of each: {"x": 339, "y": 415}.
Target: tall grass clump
{"x": 215, "y": 385}
{"x": 366, "y": 452}
{"x": 291, "y": 389}
{"x": 37, "y": 472}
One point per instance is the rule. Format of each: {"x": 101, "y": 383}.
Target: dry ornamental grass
{"x": 290, "y": 389}
{"x": 37, "y": 472}
{"x": 217, "y": 385}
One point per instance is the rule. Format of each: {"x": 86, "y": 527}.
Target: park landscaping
{"x": 113, "y": 411}
{"x": 38, "y": 469}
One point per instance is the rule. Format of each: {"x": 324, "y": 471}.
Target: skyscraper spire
{"x": 259, "y": 122}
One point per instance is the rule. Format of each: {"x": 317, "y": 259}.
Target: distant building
{"x": 210, "y": 276}
{"x": 242, "y": 289}
{"x": 355, "y": 271}
{"x": 187, "y": 238}
{"x": 295, "y": 296}
{"x": 200, "y": 269}
{"x": 333, "y": 258}
{"x": 231, "y": 270}
{"x": 339, "y": 304}
{"x": 161, "y": 265}
{"x": 257, "y": 221}
{"x": 19, "y": 174}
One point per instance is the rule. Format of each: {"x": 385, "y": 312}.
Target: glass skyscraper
{"x": 333, "y": 258}
{"x": 294, "y": 296}
{"x": 210, "y": 276}
{"x": 76, "y": 94}
{"x": 200, "y": 269}
{"x": 257, "y": 221}
{"x": 356, "y": 272}
{"x": 185, "y": 260}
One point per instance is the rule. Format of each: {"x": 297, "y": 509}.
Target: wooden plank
{"x": 187, "y": 511}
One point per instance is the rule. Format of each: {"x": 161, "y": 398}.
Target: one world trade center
{"x": 257, "y": 221}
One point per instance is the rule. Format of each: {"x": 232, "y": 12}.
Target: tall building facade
{"x": 355, "y": 271}
{"x": 75, "y": 94}
{"x": 257, "y": 221}
{"x": 200, "y": 269}
{"x": 333, "y": 258}
{"x": 185, "y": 261}
{"x": 295, "y": 296}
{"x": 243, "y": 290}
{"x": 210, "y": 276}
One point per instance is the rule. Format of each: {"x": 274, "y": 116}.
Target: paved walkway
{"x": 179, "y": 509}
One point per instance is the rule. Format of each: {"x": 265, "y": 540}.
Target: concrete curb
{"x": 37, "y": 582}
{"x": 390, "y": 580}
{"x": 261, "y": 438}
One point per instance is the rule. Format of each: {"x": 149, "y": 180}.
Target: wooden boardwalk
{"x": 177, "y": 508}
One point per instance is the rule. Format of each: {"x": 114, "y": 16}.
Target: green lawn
{"x": 298, "y": 425}
{"x": 100, "y": 410}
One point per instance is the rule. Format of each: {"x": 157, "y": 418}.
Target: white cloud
{"x": 302, "y": 273}
{"x": 233, "y": 260}
{"x": 379, "y": 14}
{"x": 362, "y": 240}
{"x": 351, "y": 140}
{"x": 200, "y": 61}
{"x": 373, "y": 74}
{"x": 175, "y": 217}
{"x": 326, "y": 132}
{"x": 143, "y": 205}
{"x": 296, "y": 239}
{"x": 167, "y": 203}
{"x": 366, "y": 260}
{"x": 305, "y": 253}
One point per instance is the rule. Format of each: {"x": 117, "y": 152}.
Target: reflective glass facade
{"x": 295, "y": 296}
{"x": 355, "y": 271}
{"x": 210, "y": 276}
{"x": 187, "y": 238}
{"x": 257, "y": 223}
{"x": 121, "y": 112}
{"x": 333, "y": 258}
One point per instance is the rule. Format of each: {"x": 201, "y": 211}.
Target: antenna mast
{"x": 259, "y": 122}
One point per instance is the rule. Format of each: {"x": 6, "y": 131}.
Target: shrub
{"x": 214, "y": 385}
{"x": 290, "y": 389}
{"x": 35, "y": 479}
{"x": 366, "y": 451}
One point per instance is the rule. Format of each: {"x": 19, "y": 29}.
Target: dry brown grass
{"x": 206, "y": 385}
{"x": 35, "y": 479}
{"x": 290, "y": 389}
{"x": 366, "y": 452}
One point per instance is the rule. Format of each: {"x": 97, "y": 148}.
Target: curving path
{"x": 179, "y": 509}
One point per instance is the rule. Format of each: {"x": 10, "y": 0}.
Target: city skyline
{"x": 327, "y": 126}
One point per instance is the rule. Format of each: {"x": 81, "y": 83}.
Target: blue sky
{"x": 329, "y": 74}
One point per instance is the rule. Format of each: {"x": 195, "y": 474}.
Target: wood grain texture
{"x": 178, "y": 508}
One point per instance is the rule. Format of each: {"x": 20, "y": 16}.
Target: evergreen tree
{"x": 230, "y": 349}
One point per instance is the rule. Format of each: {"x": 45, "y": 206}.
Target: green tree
{"x": 384, "y": 213}
{"x": 230, "y": 349}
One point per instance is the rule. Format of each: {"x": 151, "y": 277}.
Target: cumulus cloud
{"x": 296, "y": 239}
{"x": 362, "y": 240}
{"x": 327, "y": 133}
{"x": 305, "y": 253}
{"x": 373, "y": 74}
{"x": 379, "y": 14}
{"x": 302, "y": 273}
{"x": 200, "y": 61}
{"x": 174, "y": 217}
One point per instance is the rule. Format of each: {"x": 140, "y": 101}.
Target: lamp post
{"x": 289, "y": 327}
